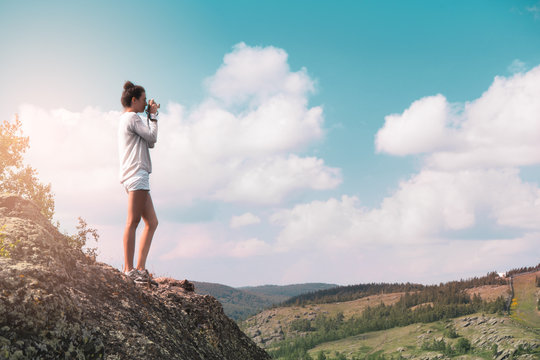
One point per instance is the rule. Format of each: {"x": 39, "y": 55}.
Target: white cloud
{"x": 244, "y": 220}
{"x": 420, "y": 211}
{"x": 254, "y": 75}
{"x": 500, "y": 129}
{"x": 517, "y": 66}
{"x": 421, "y": 128}
{"x": 239, "y": 144}
{"x": 425, "y": 263}
{"x": 269, "y": 180}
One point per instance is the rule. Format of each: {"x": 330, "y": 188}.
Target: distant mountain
{"x": 241, "y": 303}
{"x": 237, "y": 304}
{"x": 283, "y": 293}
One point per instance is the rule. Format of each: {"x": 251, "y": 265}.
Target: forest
{"x": 522, "y": 270}
{"x": 353, "y": 292}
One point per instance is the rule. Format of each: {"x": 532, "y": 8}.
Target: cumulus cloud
{"x": 499, "y": 129}
{"x": 423, "y": 127}
{"x": 240, "y": 144}
{"x": 244, "y": 220}
{"x": 254, "y": 75}
{"x": 423, "y": 210}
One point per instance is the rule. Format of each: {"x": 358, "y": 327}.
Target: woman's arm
{"x": 148, "y": 133}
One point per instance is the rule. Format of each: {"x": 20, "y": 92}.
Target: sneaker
{"x": 134, "y": 275}
{"x": 144, "y": 274}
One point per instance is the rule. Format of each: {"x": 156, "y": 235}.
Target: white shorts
{"x": 139, "y": 181}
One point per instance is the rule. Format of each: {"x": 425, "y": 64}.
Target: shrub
{"x": 79, "y": 240}
{"x": 463, "y": 346}
{"x": 451, "y": 333}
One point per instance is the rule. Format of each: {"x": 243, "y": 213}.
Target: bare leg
{"x": 136, "y": 203}
{"x": 151, "y": 223}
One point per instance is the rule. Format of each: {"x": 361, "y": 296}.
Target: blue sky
{"x": 365, "y": 60}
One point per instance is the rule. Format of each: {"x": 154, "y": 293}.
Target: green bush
{"x": 463, "y": 346}
{"x": 434, "y": 345}
{"x": 451, "y": 333}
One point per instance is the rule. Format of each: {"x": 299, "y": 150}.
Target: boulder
{"x": 55, "y": 302}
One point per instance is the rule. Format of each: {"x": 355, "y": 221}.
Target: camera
{"x": 148, "y": 106}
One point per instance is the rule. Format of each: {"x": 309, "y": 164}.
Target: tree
{"x": 17, "y": 178}
{"x": 22, "y": 180}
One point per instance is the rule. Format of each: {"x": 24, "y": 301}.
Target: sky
{"x": 309, "y": 141}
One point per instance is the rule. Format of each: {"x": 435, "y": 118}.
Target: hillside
{"x": 277, "y": 324}
{"x": 57, "y": 303}
{"x": 490, "y": 337}
{"x": 300, "y": 331}
{"x": 241, "y": 303}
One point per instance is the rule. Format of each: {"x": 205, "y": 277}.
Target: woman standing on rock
{"x": 135, "y": 137}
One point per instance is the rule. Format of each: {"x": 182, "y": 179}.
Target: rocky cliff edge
{"x": 56, "y": 303}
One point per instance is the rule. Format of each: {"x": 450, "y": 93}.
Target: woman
{"x": 135, "y": 137}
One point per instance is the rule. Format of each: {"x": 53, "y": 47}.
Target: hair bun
{"x": 128, "y": 85}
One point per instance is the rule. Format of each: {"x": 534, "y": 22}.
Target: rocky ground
{"x": 55, "y": 302}
{"x": 509, "y": 338}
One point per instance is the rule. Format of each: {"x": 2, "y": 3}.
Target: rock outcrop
{"x": 56, "y": 303}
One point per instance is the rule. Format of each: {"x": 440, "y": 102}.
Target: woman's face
{"x": 139, "y": 104}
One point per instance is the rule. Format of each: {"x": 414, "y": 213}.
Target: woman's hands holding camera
{"x": 153, "y": 106}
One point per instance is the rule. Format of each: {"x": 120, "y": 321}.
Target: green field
{"x": 524, "y": 304}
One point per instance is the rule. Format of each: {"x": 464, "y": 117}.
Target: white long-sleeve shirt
{"x": 135, "y": 137}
